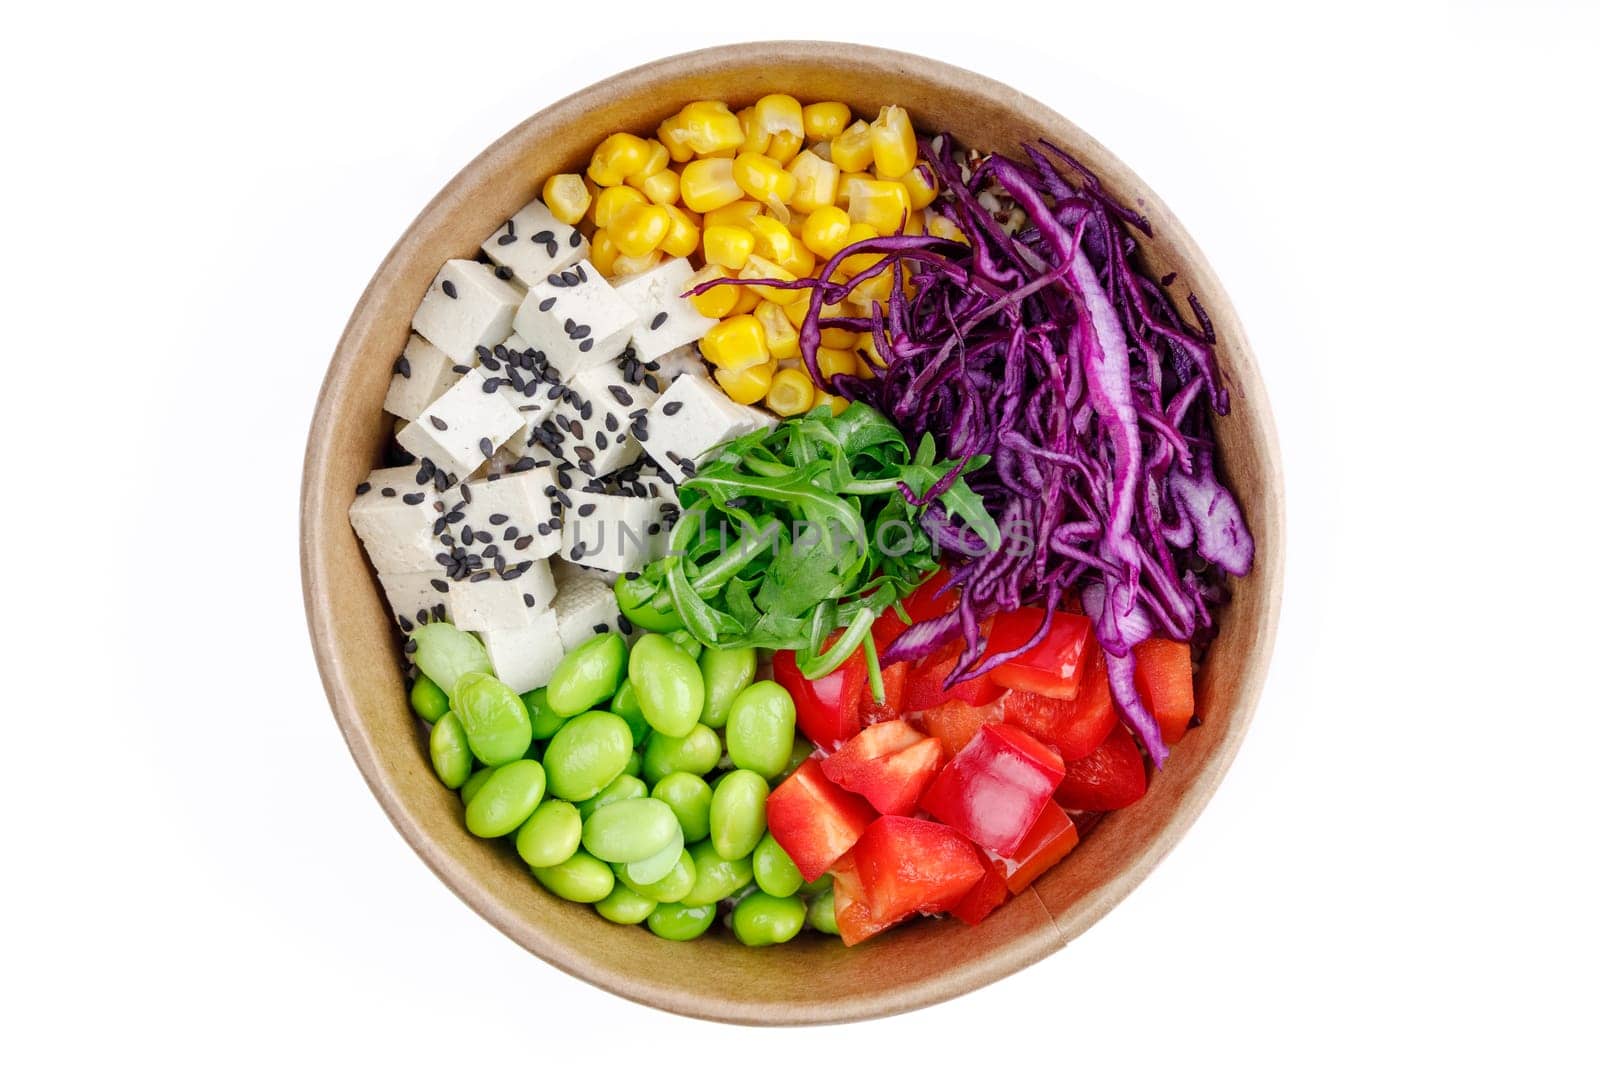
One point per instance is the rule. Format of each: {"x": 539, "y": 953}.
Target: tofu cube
{"x": 594, "y": 427}
{"x": 466, "y": 308}
{"x": 667, "y": 320}
{"x": 529, "y": 384}
{"x": 525, "y": 657}
{"x": 510, "y": 601}
{"x": 611, "y": 533}
{"x": 417, "y": 599}
{"x": 680, "y": 361}
{"x": 461, "y": 429}
{"x": 394, "y": 517}
{"x": 533, "y": 244}
{"x": 515, "y": 515}
{"x": 421, "y": 375}
{"x": 576, "y": 319}
{"x": 585, "y": 607}
{"x": 693, "y": 417}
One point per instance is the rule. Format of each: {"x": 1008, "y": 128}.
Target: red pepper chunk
{"x": 1075, "y": 727}
{"x": 1054, "y": 666}
{"x": 913, "y": 865}
{"x": 995, "y": 788}
{"x": 814, "y": 820}
{"x": 1052, "y": 837}
{"x": 925, "y": 687}
{"x": 983, "y": 898}
{"x": 955, "y": 723}
{"x": 1163, "y": 674}
{"x": 850, "y": 910}
{"x": 889, "y": 763}
{"x": 827, "y": 709}
{"x": 1110, "y": 777}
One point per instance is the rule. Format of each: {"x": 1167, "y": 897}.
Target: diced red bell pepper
{"x": 850, "y": 910}
{"x": 828, "y": 709}
{"x": 925, "y": 687}
{"x": 814, "y": 820}
{"x": 1052, "y": 837}
{"x": 894, "y": 695}
{"x": 956, "y": 723}
{"x": 914, "y": 865}
{"x": 1163, "y": 674}
{"x": 1054, "y": 666}
{"x": 889, "y": 763}
{"x": 1074, "y": 727}
{"x": 995, "y": 787}
{"x": 983, "y": 898}
{"x": 1110, "y": 777}
{"x": 926, "y": 602}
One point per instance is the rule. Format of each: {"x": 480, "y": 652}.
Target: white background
{"x": 1401, "y": 201}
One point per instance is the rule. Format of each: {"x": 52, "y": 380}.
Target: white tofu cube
{"x": 491, "y": 601}
{"x": 583, "y": 608}
{"x": 692, "y": 417}
{"x": 525, "y": 382}
{"x": 394, "y": 516}
{"x": 421, "y": 375}
{"x": 467, "y": 307}
{"x": 417, "y": 599}
{"x": 461, "y": 429}
{"x": 534, "y": 244}
{"x": 611, "y": 533}
{"x": 594, "y": 427}
{"x": 576, "y": 319}
{"x": 667, "y": 321}
{"x": 681, "y": 361}
{"x": 525, "y": 657}
{"x": 517, "y": 515}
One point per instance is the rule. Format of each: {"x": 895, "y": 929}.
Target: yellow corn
{"x": 710, "y": 127}
{"x": 827, "y": 230}
{"x": 883, "y": 205}
{"x": 832, "y": 336}
{"x": 707, "y": 184}
{"x": 779, "y": 113}
{"x": 894, "y": 142}
{"x": 921, "y": 186}
{"x": 655, "y": 162}
{"x": 717, "y": 301}
{"x": 760, "y": 267}
{"x": 825, "y": 120}
{"x": 567, "y": 197}
{"x": 603, "y": 252}
{"x": 852, "y": 148}
{"x": 875, "y": 289}
{"x": 738, "y": 213}
{"x": 827, "y": 400}
{"x": 915, "y": 223}
{"x": 684, "y": 237}
{"x": 796, "y": 223}
{"x": 626, "y": 265}
{"x": 867, "y": 349}
{"x": 847, "y": 185}
{"x": 728, "y": 246}
{"x": 939, "y": 226}
{"x": 782, "y": 339}
{"x": 609, "y": 205}
{"x": 831, "y": 361}
{"x": 617, "y": 157}
{"x": 746, "y": 118}
{"x": 735, "y": 343}
{"x": 791, "y": 392}
{"x": 747, "y": 385}
{"x": 816, "y": 181}
{"x": 850, "y": 266}
{"x": 784, "y": 146}
{"x": 594, "y": 192}
{"x": 762, "y": 179}
{"x": 639, "y": 229}
{"x": 674, "y": 136}
{"x": 776, "y": 242}
{"x": 748, "y": 299}
{"x": 864, "y": 369}
{"x": 661, "y": 187}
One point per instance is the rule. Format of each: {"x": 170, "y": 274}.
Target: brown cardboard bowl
{"x": 812, "y": 979}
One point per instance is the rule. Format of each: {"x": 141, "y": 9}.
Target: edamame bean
{"x": 761, "y": 919}
{"x": 505, "y": 801}
{"x": 775, "y": 872}
{"x": 588, "y": 675}
{"x": 494, "y": 717}
{"x": 802, "y": 752}
{"x": 681, "y": 922}
{"x": 470, "y": 787}
{"x": 625, "y": 907}
{"x": 630, "y": 830}
{"x": 636, "y": 600}
{"x": 738, "y": 813}
{"x": 580, "y": 878}
{"x": 715, "y": 877}
{"x": 819, "y": 913}
{"x": 634, "y": 765}
{"x": 654, "y": 868}
{"x": 696, "y": 753}
{"x": 586, "y": 754}
{"x": 668, "y": 684}
{"x": 626, "y": 704}
{"x": 542, "y": 722}
{"x": 623, "y": 787}
{"x": 667, "y": 890}
{"x": 445, "y": 653}
{"x": 428, "y": 700}
{"x": 689, "y": 797}
{"x": 551, "y": 835}
{"x": 822, "y": 884}
{"x": 761, "y": 729}
{"x": 685, "y": 643}
{"x": 726, "y": 672}
{"x": 447, "y": 748}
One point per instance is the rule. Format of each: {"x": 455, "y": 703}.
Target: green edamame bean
{"x": 636, "y": 601}
{"x": 447, "y": 747}
{"x": 542, "y": 722}
{"x": 819, "y": 913}
{"x": 630, "y": 830}
{"x": 428, "y": 700}
{"x": 588, "y": 675}
{"x": 775, "y": 872}
{"x": 623, "y": 787}
{"x": 823, "y": 883}
{"x": 551, "y": 835}
{"x": 445, "y": 653}
{"x": 685, "y": 643}
{"x": 494, "y": 717}
{"x": 761, "y": 919}
{"x": 802, "y": 752}
{"x": 761, "y": 729}
{"x": 695, "y": 753}
{"x": 506, "y": 800}
{"x": 681, "y": 922}
{"x": 654, "y": 868}
{"x": 626, "y": 704}
{"x": 625, "y": 907}
{"x": 668, "y": 684}
{"x": 726, "y": 672}
{"x": 580, "y": 878}
{"x": 738, "y": 813}
{"x": 715, "y": 877}
{"x": 667, "y": 890}
{"x": 634, "y": 765}
{"x": 586, "y": 754}
{"x": 689, "y": 797}
{"x": 470, "y": 787}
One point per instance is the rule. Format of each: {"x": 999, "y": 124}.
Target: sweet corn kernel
{"x": 567, "y": 197}
{"x": 864, "y": 369}
{"x": 883, "y": 205}
{"x": 639, "y": 229}
{"x": 894, "y": 142}
{"x": 717, "y": 301}
{"x": 796, "y": 223}
{"x": 816, "y": 181}
{"x": 603, "y": 252}
{"x": 784, "y": 146}
{"x": 852, "y": 148}
{"x": 850, "y": 266}
{"x": 617, "y": 157}
{"x": 847, "y": 185}
{"x": 626, "y": 265}
{"x": 832, "y": 336}
{"x": 594, "y": 192}
{"x": 675, "y": 137}
{"x": 921, "y": 186}
{"x": 735, "y": 343}
{"x": 940, "y": 226}
{"x": 684, "y": 237}
{"x": 609, "y": 205}
{"x": 661, "y": 187}
{"x": 710, "y": 127}
{"x": 779, "y": 113}
{"x": 875, "y": 289}
{"x": 758, "y": 266}
{"x": 738, "y": 213}
{"x": 748, "y": 125}
{"x": 827, "y": 230}
{"x": 825, "y": 119}
{"x": 728, "y": 246}
{"x": 762, "y": 179}
{"x": 791, "y": 392}
{"x": 915, "y": 223}
{"x": 656, "y": 162}
{"x": 707, "y": 184}
{"x": 748, "y": 299}
{"x": 777, "y": 242}
{"x": 867, "y": 349}
{"x": 831, "y": 361}
{"x": 782, "y": 339}
{"x": 745, "y": 386}
{"x": 836, "y": 404}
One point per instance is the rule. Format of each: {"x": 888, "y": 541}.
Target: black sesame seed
{"x": 506, "y": 239}
{"x": 659, "y": 321}
{"x": 521, "y": 544}
{"x": 491, "y": 384}
{"x": 581, "y": 331}
{"x": 440, "y": 584}
{"x": 624, "y": 624}
{"x": 526, "y": 463}
{"x": 486, "y": 447}
{"x": 542, "y": 237}
{"x": 611, "y": 422}
{"x": 438, "y": 423}
{"x": 388, "y": 490}
{"x": 672, "y": 407}
{"x": 641, "y": 432}
{"x": 405, "y": 626}
{"x": 444, "y": 559}
{"x": 576, "y": 239}
{"x": 449, "y": 288}
{"x": 364, "y": 487}
{"x": 582, "y": 275}
{"x": 571, "y": 277}
{"x": 503, "y": 273}
{"x": 586, "y": 344}
{"x": 585, "y": 510}
{"x": 411, "y": 646}
{"x": 601, "y": 628}
{"x": 402, "y": 367}
{"x": 623, "y": 396}
{"x": 528, "y": 600}
{"x": 481, "y": 576}
{"x": 460, "y": 368}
